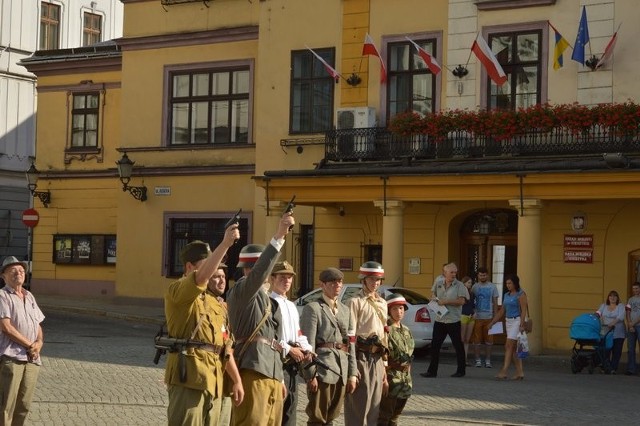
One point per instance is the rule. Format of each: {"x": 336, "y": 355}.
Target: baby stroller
{"x": 590, "y": 348}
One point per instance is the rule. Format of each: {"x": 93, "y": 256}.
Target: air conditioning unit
{"x": 355, "y": 117}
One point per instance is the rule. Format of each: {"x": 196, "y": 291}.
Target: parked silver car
{"x": 417, "y": 318}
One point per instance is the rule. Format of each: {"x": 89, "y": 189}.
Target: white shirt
{"x": 290, "y": 324}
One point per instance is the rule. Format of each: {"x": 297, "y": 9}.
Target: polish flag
{"x": 429, "y": 60}
{"x": 332, "y": 72}
{"x": 370, "y": 49}
{"x": 489, "y": 60}
{"x": 608, "y": 51}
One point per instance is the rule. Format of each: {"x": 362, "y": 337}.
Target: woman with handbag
{"x": 515, "y": 309}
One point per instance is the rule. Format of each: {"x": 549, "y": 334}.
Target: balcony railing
{"x": 379, "y": 144}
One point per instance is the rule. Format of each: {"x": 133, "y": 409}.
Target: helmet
{"x": 397, "y": 299}
{"x": 249, "y": 255}
{"x": 371, "y": 269}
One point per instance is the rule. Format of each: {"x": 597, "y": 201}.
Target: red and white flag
{"x": 332, "y": 72}
{"x": 489, "y": 60}
{"x": 608, "y": 51}
{"x": 429, "y": 60}
{"x": 370, "y": 49}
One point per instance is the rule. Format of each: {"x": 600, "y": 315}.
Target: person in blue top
{"x": 515, "y": 309}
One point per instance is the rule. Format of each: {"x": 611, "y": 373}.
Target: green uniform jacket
{"x": 184, "y": 304}
{"x": 401, "y": 345}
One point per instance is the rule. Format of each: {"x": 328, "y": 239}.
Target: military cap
{"x": 283, "y": 268}
{"x": 194, "y": 251}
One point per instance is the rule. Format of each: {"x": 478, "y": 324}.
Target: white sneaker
{"x": 478, "y": 363}
{"x": 487, "y": 364}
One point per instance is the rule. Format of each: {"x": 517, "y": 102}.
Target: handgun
{"x": 289, "y": 208}
{"x": 235, "y": 220}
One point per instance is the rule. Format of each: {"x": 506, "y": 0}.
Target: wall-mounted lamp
{"x": 32, "y": 179}
{"x": 615, "y": 160}
{"x": 125, "y": 168}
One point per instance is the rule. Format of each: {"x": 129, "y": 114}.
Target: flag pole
{"x": 471, "y": 51}
{"x": 554, "y": 29}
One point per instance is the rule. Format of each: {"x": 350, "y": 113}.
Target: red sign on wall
{"x": 578, "y": 241}
{"x": 578, "y": 248}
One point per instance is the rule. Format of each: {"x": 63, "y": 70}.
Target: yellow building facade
{"x": 564, "y": 224}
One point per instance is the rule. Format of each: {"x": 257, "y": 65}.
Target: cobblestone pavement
{"x": 98, "y": 370}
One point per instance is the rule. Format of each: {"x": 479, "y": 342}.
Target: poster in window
{"x": 97, "y": 249}
{"x": 110, "y": 246}
{"x": 82, "y": 249}
{"x": 62, "y": 249}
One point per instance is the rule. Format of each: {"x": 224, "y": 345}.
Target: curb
{"x": 102, "y": 313}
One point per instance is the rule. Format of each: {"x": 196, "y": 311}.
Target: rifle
{"x": 166, "y": 344}
{"x": 316, "y": 361}
{"x": 289, "y": 209}
{"x": 235, "y": 220}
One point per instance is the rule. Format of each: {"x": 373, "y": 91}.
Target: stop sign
{"x": 30, "y": 217}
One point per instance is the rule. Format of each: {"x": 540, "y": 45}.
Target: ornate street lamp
{"x": 32, "y": 179}
{"x": 125, "y": 168}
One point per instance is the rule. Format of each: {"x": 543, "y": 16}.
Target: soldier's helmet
{"x": 371, "y": 269}
{"x": 397, "y": 299}
{"x": 249, "y": 255}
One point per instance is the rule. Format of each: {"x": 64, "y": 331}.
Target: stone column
{"x": 392, "y": 241}
{"x": 530, "y": 264}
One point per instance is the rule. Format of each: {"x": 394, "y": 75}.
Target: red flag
{"x": 489, "y": 60}
{"x": 429, "y": 60}
{"x": 332, "y": 72}
{"x": 370, "y": 49}
{"x": 608, "y": 51}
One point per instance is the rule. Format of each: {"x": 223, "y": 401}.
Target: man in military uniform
{"x": 326, "y": 323}
{"x": 255, "y": 321}
{"x": 232, "y": 384}
{"x": 194, "y": 374}
{"x": 369, "y": 313}
{"x": 401, "y": 345}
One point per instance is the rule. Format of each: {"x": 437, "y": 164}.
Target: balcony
{"x": 539, "y": 131}
{"x": 380, "y": 144}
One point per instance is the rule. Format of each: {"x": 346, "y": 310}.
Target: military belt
{"x": 370, "y": 349}
{"x": 333, "y": 345}
{"x": 398, "y": 366}
{"x": 216, "y": 349}
{"x": 272, "y": 343}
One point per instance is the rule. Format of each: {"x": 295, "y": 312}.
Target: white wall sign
{"x": 162, "y": 190}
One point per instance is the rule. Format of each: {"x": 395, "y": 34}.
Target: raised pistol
{"x": 289, "y": 208}
{"x": 235, "y": 220}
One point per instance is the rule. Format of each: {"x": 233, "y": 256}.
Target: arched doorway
{"x": 490, "y": 238}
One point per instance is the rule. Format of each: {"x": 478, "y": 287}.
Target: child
{"x": 401, "y": 345}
